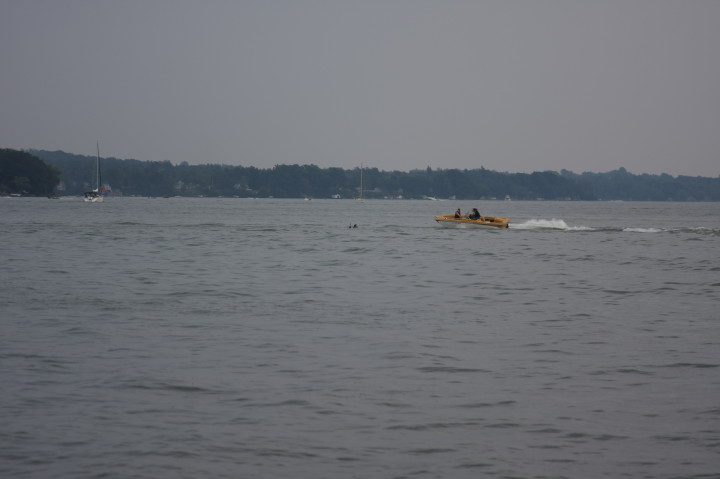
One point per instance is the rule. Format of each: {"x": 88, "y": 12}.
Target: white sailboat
{"x": 95, "y": 195}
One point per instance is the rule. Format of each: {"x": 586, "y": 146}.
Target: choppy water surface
{"x": 185, "y": 338}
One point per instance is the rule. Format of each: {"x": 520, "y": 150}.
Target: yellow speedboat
{"x": 486, "y": 221}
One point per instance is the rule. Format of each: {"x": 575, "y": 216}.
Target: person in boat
{"x": 475, "y": 215}
{"x": 458, "y": 214}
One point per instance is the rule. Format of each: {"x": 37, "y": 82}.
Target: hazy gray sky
{"x": 397, "y": 84}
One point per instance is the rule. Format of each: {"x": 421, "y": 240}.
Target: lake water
{"x": 240, "y": 338}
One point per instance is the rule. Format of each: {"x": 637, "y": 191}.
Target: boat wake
{"x": 560, "y": 225}
{"x": 553, "y": 224}
{"x": 703, "y": 231}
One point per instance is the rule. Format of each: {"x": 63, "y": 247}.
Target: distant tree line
{"x": 153, "y": 178}
{"x": 622, "y": 185}
{"x": 24, "y": 174}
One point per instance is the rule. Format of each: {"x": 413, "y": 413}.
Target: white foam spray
{"x": 554, "y": 224}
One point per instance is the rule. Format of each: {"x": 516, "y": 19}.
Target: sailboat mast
{"x": 97, "y": 167}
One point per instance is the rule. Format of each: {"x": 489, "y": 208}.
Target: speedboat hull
{"x": 93, "y": 197}
{"x": 484, "y": 222}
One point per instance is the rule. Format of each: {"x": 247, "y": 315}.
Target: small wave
{"x": 431, "y": 450}
{"x": 162, "y": 386}
{"x": 692, "y": 365}
{"x": 469, "y": 465}
{"x": 434, "y": 425}
{"x": 488, "y": 404}
{"x": 503, "y": 425}
{"x": 642, "y": 230}
{"x": 449, "y": 369}
{"x": 701, "y": 231}
{"x": 289, "y": 402}
{"x": 553, "y": 224}
{"x": 284, "y": 453}
{"x": 633, "y": 371}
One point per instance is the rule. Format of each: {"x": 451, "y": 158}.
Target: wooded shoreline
{"x": 148, "y": 178}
